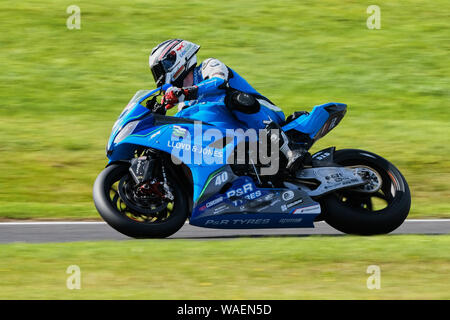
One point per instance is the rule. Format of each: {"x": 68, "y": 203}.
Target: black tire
{"x": 350, "y": 218}
{"x": 126, "y": 225}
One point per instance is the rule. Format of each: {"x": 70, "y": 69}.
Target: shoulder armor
{"x": 214, "y": 68}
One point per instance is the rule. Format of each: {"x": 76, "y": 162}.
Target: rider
{"x": 209, "y": 92}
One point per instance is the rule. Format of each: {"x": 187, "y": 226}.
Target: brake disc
{"x": 134, "y": 203}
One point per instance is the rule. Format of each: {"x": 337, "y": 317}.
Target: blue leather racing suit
{"x": 212, "y": 78}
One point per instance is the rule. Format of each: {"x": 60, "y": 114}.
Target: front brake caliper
{"x": 141, "y": 169}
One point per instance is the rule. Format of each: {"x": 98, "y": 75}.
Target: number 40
{"x": 222, "y": 178}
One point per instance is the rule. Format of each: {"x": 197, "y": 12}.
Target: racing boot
{"x": 293, "y": 152}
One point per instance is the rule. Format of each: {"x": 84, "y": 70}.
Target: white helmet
{"x": 172, "y": 60}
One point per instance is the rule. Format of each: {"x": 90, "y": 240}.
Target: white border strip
{"x": 37, "y": 223}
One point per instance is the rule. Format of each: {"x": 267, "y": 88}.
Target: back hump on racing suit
{"x": 218, "y": 83}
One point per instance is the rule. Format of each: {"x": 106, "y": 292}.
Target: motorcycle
{"x": 148, "y": 190}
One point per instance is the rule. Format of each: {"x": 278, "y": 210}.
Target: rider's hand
{"x": 173, "y": 96}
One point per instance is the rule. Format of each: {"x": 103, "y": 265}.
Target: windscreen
{"x": 137, "y": 96}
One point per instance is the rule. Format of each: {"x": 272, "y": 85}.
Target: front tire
{"x": 354, "y": 212}
{"x": 128, "y": 221}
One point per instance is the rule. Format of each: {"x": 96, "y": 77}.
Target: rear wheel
{"x": 377, "y": 208}
{"x": 156, "y": 209}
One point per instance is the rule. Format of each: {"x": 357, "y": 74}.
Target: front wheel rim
{"x": 131, "y": 213}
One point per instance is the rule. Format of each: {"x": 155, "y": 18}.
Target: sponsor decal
{"x": 187, "y": 48}
{"x": 253, "y": 195}
{"x": 297, "y": 220}
{"x": 220, "y": 209}
{"x": 194, "y": 148}
{"x": 214, "y": 202}
{"x": 237, "y": 222}
{"x": 181, "y": 69}
{"x": 275, "y": 202}
{"x": 216, "y": 222}
{"x": 269, "y": 196}
{"x": 181, "y": 46}
{"x": 333, "y": 123}
{"x": 310, "y": 209}
{"x": 269, "y": 206}
{"x": 284, "y": 207}
{"x": 337, "y": 177}
{"x": 215, "y": 137}
{"x": 245, "y": 189}
{"x": 322, "y": 155}
{"x": 178, "y": 131}
{"x": 250, "y": 221}
{"x": 287, "y": 195}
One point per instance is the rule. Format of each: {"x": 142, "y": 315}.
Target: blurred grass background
{"x": 265, "y": 268}
{"x": 61, "y": 90}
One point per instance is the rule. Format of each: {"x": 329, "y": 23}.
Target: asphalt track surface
{"x": 42, "y": 232}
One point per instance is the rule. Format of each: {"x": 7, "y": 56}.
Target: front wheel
{"x": 154, "y": 210}
{"x": 377, "y": 208}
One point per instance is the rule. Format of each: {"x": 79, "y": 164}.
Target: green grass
{"x": 412, "y": 267}
{"x": 61, "y": 90}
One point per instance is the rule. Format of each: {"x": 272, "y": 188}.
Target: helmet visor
{"x": 162, "y": 67}
{"x": 158, "y": 74}
{"x": 168, "y": 61}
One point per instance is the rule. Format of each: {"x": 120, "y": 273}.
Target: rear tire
{"x": 124, "y": 224}
{"x": 352, "y": 212}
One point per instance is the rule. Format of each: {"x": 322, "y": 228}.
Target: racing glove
{"x": 174, "y": 95}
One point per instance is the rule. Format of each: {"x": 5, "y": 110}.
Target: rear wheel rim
{"x": 375, "y": 202}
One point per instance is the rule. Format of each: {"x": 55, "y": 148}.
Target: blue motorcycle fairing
{"x": 133, "y": 111}
{"x": 191, "y": 144}
{"x": 243, "y": 204}
{"x": 255, "y": 220}
{"x": 182, "y": 139}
